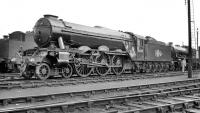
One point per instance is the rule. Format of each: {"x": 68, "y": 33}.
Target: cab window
{"x": 140, "y": 42}
{"x": 140, "y": 45}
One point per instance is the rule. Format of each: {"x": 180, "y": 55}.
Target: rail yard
{"x": 156, "y": 95}
{"x": 63, "y": 67}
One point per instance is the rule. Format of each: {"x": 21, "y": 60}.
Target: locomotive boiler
{"x": 50, "y": 28}
{"x": 67, "y": 48}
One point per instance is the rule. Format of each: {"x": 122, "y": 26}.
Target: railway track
{"x": 151, "y": 98}
{"x": 22, "y": 84}
{"x": 17, "y": 77}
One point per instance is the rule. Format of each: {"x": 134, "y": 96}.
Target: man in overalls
{"x": 183, "y": 64}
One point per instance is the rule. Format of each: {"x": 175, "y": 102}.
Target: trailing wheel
{"x": 117, "y": 62}
{"x": 67, "y": 71}
{"x": 43, "y": 71}
{"x": 81, "y": 66}
{"x": 104, "y": 60}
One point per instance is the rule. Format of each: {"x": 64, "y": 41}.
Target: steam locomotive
{"x": 66, "y": 48}
{"x": 9, "y": 46}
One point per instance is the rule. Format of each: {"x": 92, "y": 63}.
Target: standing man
{"x": 20, "y": 51}
{"x": 183, "y": 64}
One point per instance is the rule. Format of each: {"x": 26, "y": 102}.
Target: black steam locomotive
{"x": 9, "y": 47}
{"x": 65, "y": 48}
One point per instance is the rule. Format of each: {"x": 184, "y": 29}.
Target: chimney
{"x": 50, "y": 16}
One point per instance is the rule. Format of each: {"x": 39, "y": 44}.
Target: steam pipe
{"x": 61, "y": 43}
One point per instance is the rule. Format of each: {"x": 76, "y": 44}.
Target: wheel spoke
{"x": 67, "y": 71}
{"x": 104, "y": 60}
{"x": 117, "y": 61}
{"x": 82, "y": 69}
{"x": 27, "y": 73}
{"x": 43, "y": 71}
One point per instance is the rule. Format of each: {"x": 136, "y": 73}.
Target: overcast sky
{"x": 165, "y": 20}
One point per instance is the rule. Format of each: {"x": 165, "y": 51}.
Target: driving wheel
{"x": 82, "y": 68}
{"x": 104, "y": 60}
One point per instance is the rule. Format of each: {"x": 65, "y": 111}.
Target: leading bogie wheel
{"x": 117, "y": 62}
{"x": 43, "y": 71}
{"x": 67, "y": 71}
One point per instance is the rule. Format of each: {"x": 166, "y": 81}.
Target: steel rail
{"x": 22, "y": 84}
{"x": 83, "y": 99}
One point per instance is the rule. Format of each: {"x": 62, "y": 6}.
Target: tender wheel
{"x": 162, "y": 67}
{"x": 43, "y": 71}
{"x": 148, "y": 68}
{"x": 118, "y": 62}
{"x": 156, "y": 67}
{"x": 67, "y": 71}
{"x": 137, "y": 68}
{"x": 82, "y": 68}
{"x": 159, "y": 68}
{"x": 104, "y": 69}
{"x": 153, "y": 69}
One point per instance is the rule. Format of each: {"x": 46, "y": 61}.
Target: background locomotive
{"x": 66, "y": 48}
{"x": 9, "y": 47}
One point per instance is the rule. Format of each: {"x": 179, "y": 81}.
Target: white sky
{"x": 165, "y": 20}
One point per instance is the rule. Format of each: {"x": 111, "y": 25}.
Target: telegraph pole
{"x": 198, "y": 43}
{"x": 189, "y": 42}
{"x": 197, "y": 37}
{"x": 197, "y": 51}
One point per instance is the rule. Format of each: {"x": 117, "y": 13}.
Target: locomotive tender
{"x": 66, "y": 48}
